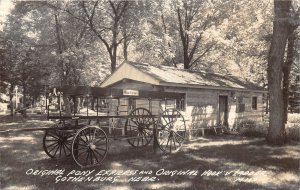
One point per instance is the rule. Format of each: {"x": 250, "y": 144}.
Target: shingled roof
{"x": 167, "y": 76}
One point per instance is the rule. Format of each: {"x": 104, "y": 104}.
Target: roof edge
{"x": 211, "y": 87}
{"x": 156, "y": 78}
{"x": 111, "y": 74}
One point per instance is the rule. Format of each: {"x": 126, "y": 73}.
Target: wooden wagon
{"x": 89, "y": 117}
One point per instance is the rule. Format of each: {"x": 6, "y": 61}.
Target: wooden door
{"x": 223, "y": 110}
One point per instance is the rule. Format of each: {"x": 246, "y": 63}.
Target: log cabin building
{"x": 209, "y": 99}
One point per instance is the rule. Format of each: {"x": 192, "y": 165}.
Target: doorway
{"x": 223, "y": 110}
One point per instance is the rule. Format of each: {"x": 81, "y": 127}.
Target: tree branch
{"x": 200, "y": 56}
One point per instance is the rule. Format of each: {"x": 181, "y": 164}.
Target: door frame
{"x": 226, "y": 109}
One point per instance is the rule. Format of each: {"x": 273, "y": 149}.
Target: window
{"x": 254, "y": 103}
{"x": 240, "y": 106}
{"x": 180, "y": 104}
{"x": 131, "y": 103}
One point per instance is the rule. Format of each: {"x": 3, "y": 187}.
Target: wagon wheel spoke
{"x": 132, "y": 127}
{"x": 51, "y": 135}
{"x": 60, "y": 149}
{"x": 64, "y": 148}
{"x": 56, "y": 145}
{"x": 102, "y": 143}
{"x": 54, "y": 140}
{"x": 163, "y": 141}
{"x": 148, "y": 120}
{"x": 93, "y": 152}
{"x": 83, "y": 148}
{"x": 49, "y": 145}
{"x": 81, "y": 139}
{"x": 87, "y": 140}
{"x": 98, "y": 153}
{"x": 147, "y": 135}
{"x": 81, "y": 153}
{"x": 100, "y": 139}
{"x": 101, "y": 149}
{"x": 87, "y": 157}
{"x": 94, "y": 135}
{"x": 174, "y": 143}
{"x": 177, "y": 135}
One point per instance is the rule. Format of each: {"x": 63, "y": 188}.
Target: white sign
{"x": 131, "y": 92}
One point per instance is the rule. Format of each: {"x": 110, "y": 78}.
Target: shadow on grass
{"x": 21, "y": 151}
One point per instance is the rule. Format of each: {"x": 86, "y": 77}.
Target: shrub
{"x": 292, "y": 131}
{"x": 294, "y": 118}
{"x": 251, "y": 128}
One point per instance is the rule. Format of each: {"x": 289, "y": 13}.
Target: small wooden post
{"x": 97, "y": 106}
{"x": 155, "y": 141}
{"x": 59, "y": 101}
{"x": 87, "y": 105}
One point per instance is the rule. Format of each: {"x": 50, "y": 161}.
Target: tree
{"x": 243, "y": 40}
{"x": 294, "y": 90}
{"x": 104, "y": 20}
{"x": 16, "y": 63}
{"x": 176, "y": 32}
{"x": 294, "y": 93}
{"x": 282, "y": 29}
{"x": 191, "y": 26}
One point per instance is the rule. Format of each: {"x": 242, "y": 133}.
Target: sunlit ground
{"x": 271, "y": 167}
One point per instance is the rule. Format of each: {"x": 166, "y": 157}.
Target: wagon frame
{"x": 88, "y": 142}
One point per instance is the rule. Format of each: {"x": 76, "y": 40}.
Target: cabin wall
{"x": 202, "y": 105}
{"x": 201, "y": 108}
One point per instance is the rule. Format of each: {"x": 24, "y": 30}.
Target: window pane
{"x": 254, "y": 103}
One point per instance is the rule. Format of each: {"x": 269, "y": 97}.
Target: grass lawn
{"x": 248, "y": 162}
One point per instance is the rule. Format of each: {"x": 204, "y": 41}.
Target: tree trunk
{"x": 67, "y": 105}
{"x": 113, "y": 64}
{"x": 77, "y": 105}
{"x": 186, "y": 61}
{"x": 11, "y": 104}
{"x": 23, "y": 110}
{"x": 125, "y": 45}
{"x": 60, "y": 50}
{"x": 286, "y": 73}
{"x": 185, "y": 42}
{"x": 276, "y": 133}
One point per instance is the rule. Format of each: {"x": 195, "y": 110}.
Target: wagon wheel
{"x": 138, "y": 128}
{"x": 171, "y": 131}
{"x": 57, "y": 142}
{"x": 89, "y": 146}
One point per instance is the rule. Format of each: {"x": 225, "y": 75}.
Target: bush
{"x": 261, "y": 130}
{"x": 292, "y": 131}
{"x": 251, "y": 128}
{"x": 294, "y": 118}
